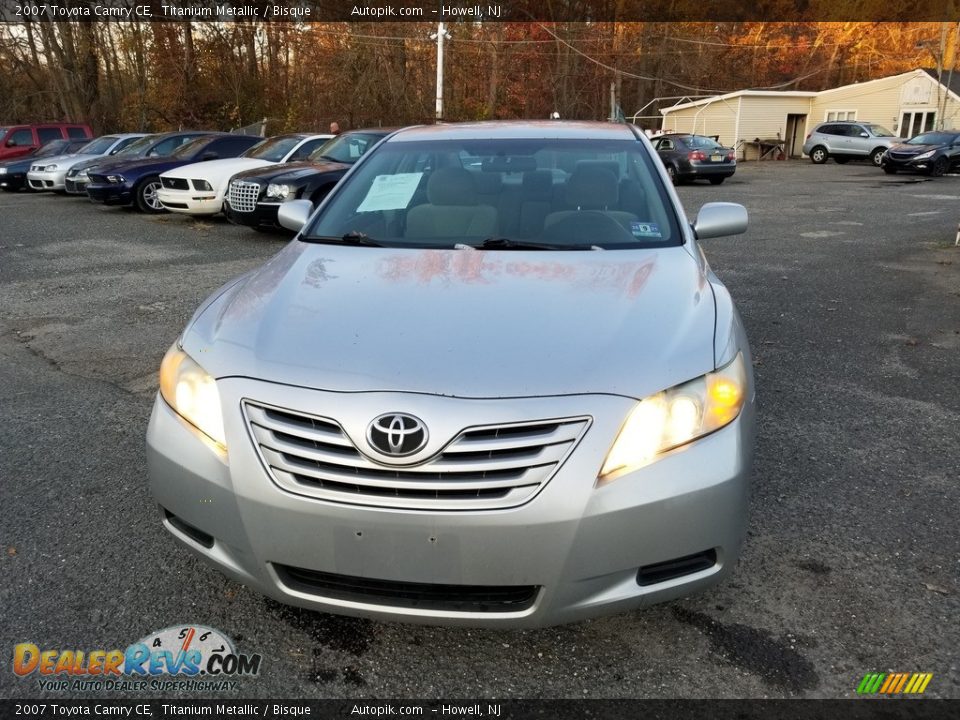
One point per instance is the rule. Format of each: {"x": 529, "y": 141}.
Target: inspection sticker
{"x": 645, "y": 229}
{"x": 390, "y": 192}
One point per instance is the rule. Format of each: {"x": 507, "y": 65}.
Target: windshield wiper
{"x": 503, "y": 243}
{"x": 351, "y": 238}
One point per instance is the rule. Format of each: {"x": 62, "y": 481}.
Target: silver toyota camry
{"x": 492, "y": 381}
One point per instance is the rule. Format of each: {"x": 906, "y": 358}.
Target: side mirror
{"x": 865, "y": 134}
{"x": 719, "y": 219}
{"x": 293, "y": 215}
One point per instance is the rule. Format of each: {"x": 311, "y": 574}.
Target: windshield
{"x": 273, "y": 149}
{"x": 54, "y": 147}
{"x": 933, "y": 138}
{"x": 345, "y": 148}
{"x": 138, "y": 147}
{"x": 542, "y": 194}
{"x": 188, "y": 149}
{"x": 98, "y": 146}
{"x": 878, "y": 130}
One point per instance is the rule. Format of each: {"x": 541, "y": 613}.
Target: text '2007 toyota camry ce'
{"x": 493, "y": 381}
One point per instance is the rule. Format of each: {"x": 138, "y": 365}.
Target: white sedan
{"x": 199, "y": 188}
{"x": 50, "y": 173}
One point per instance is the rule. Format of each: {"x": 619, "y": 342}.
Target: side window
{"x": 169, "y": 145}
{"x": 21, "y": 138}
{"x": 665, "y": 144}
{"x": 830, "y": 130}
{"x": 304, "y": 150}
{"x": 48, "y": 134}
{"x": 77, "y": 133}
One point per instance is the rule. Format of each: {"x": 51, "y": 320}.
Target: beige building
{"x": 755, "y": 121}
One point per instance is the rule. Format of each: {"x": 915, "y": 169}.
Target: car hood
{"x": 140, "y": 166}
{"x": 64, "y": 161}
{"x": 463, "y": 323}
{"x": 914, "y": 149}
{"x": 217, "y": 172}
{"x": 291, "y": 172}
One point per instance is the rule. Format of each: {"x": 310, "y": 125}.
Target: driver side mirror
{"x": 864, "y": 134}
{"x": 720, "y": 219}
{"x": 293, "y": 215}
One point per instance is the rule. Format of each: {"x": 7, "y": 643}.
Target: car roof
{"x": 517, "y": 130}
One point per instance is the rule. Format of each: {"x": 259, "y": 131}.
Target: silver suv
{"x": 845, "y": 141}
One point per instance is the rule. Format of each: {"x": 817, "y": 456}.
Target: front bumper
{"x": 581, "y": 545}
{"x": 264, "y": 215}
{"x": 110, "y": 194}
{"x": 46, "y": 181}
{"x": 190, "y": 202}
{"x": 13, "y": 181}
{"x": 75, "y": 185}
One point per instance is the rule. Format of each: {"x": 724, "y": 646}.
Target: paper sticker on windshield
{"x": 390, "y": 192}
{"x": 645, "y": 229}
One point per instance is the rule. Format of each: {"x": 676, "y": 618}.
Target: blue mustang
{"x": 135, "y": 182}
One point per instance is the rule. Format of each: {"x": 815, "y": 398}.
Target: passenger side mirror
{"x": 719, "y": 219}
{"x": 293, "y": 215}
{"x": 864, "y": 134}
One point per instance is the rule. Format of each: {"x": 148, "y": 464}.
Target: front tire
{"x": 146, "y": 196}
{"x": 939, "y": 167}
{"x": 819, "y": 155}
{"x": 889, "y": 170}
{"x": 672, "y": 172}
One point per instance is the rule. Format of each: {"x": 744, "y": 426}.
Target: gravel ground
{"x": 849, "y": 285}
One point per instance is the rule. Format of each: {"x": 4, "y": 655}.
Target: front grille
{"x": 73, "y": 186}
{"x": 420, "y": 596}
{"x": 243, "y": 196}
{"x": 482, "y": 468}
{"x": 97, "y": 179}
{"x": 900, "y": 155}
{"x": 174, "y": 183}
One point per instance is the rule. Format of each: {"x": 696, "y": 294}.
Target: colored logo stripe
{"x": 894, "y": 683}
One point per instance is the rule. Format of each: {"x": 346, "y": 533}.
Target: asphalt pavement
{"x": 849, "y": 286}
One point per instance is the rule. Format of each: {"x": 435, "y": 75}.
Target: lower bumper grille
{"x": 243, "y": 196}
{"x": 420, "y": 596}
{"x": 661, "y": 572}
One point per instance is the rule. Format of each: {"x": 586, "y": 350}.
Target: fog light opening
{"x": 671, "y": 569}
{"x": 185, "y": 528}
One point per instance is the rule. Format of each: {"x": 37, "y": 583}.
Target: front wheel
{"x": 819, "y": 155}
{"x": 146, "y": 197}
{"x": 889, "y": 169}
{"x": 672, "y": 172}
{"x": 876, "y": 157}
{"x": 717, "y": 180}
{"x": 939, "y": 167}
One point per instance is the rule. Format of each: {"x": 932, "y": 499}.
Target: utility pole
{"x": 440, "y": 36}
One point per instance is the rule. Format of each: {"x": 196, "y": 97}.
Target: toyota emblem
{"x": 397, "y": 434}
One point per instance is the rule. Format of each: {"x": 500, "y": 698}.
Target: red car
{"x": 19, "y": 140}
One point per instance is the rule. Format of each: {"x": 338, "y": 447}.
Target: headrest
{"x": 451, "y": 186}
{"x": 592, "y": 186}
{"x": 488, "y": 183}
{"x": 538, "y": 185}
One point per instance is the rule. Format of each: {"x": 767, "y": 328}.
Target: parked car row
{"x": 198, "y": 173}
{"x": 931, "y": 153}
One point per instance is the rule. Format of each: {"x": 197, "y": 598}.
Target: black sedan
{"x": 13, "y": 173}
{"x": 931, "y": 153}
{"x": 695, "y": 157}
{"x": 254, "y": 196}
{"x": 135, "y": 182}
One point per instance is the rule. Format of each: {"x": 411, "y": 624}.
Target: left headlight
{"x": 202, "y": 185}
{"x": 3, "y": 171}
{"x": 116, "y": 179}
{"x": 278, "y": 191}
{"x": 677, "y": 416}
{"x": 192, "y": 393}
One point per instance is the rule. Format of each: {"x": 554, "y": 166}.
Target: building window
{"x": 833, "y": 115}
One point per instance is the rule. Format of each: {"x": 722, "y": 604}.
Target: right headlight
{"x": 192, "y": 393}
{"x": 278, "y": 191}
{"x": 116, "y": 179}
{"x": 924, "y": 156}
{"x": 677, "y": 416}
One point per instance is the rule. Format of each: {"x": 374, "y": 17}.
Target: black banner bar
{"x": 853, "y": 709}
{"x": 21, "y": 11}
